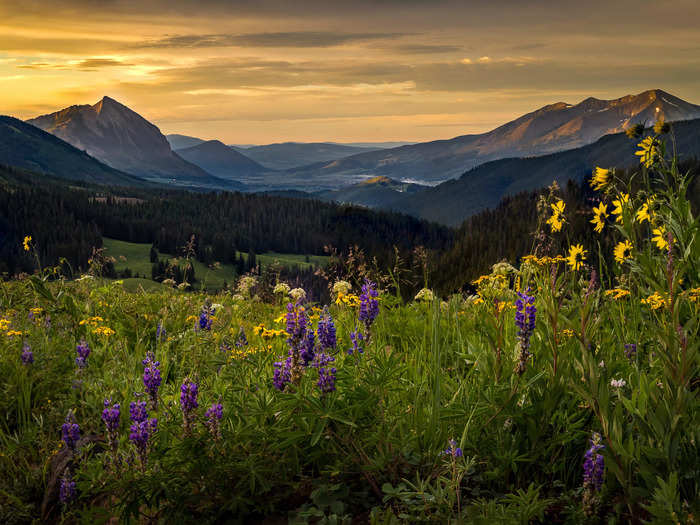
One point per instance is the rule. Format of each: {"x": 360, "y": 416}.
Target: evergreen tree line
{"x": 510, "y": 231}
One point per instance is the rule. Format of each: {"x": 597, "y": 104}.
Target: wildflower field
{"x": 563, "y": 390}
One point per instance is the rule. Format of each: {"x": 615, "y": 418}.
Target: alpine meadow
{"x": 264, "y": 281}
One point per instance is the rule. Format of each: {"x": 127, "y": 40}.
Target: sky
{"x": 263, "y": 71}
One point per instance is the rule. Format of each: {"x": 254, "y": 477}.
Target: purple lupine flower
{"x": 151, "y": 378}
{"x": 453, "y": 450}
{"x": 307, "y": 348}
{"x": 188, "y": 403}
{"x": 593, "y": 465}
{"x": 161, "y": 333}
{"x": 66, "y": 491}
{"x": 111, "y": 415}
{"x": 525, "y": 316}
{"x": 297, "y": 321}
{"x": 83, "y": 351}
{"x": 357, "y": 339}
{"x": 326, "y": 332}
{"x": 137, "y": 411}
{"x": 140, "y": 434}
{"x": 70, "y": 431}
{"x": 27, "y": 356}
{"x": 205, "y": 320}
{"x": 283, "y": 373}
{"x": 241, "y": 340}
{"x": 369, "y": 305}
{"x": 214, "y": 415}
{"x": 631, "y": 351}
{"x": 326, "y": 374}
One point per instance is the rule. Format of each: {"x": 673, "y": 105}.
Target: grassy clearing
{"x": 137, "y": 257}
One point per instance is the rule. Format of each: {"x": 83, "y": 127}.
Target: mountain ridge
{"x": 29, "y": 147}
{"x": 121, "y": 138}
{"x": 554, "y": 127}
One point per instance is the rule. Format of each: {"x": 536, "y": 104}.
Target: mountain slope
{"x": 121, "y": 138}
{"x": 219, "y": 159}
{"x": 294, "y": 154}
{"x": 378, "y": 192}
{"x": 555, "y": 127}
{"x": 482, "y": 187}
{"x": 25, "y": 146}
{"x": 178, "y": 141}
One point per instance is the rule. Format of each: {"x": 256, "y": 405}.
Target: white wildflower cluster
{"x": 424, "y": 295}
{"x": 246, "y": 284}
{"x": 341, "y": 288}
{"x": 282, "y": 289}
{"x": 298, "y": 294}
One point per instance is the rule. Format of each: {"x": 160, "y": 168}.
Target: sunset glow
{"x": 261, "y": 72}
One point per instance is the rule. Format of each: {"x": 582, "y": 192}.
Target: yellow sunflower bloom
{"x": 27, "y": 242}
{"x": 623, "y": 251}
{"x": 620, "y": 203}
{"x": 659, "y": 238}
{"x": 600, "y": 178}
{"x": 577, "y": 255}
{"x": 649, "y": 152}
{"x": 556, "y": 221}
{"x": 599, "y": 215}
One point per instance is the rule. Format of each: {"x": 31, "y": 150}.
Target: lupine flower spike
{"x": 453, "y": 450}
{"x": 27, "y": 354}
{"x": 593, "y": 472}
{"x": 70, "y": 432}
{"x": 369, "y": 307}
{"x": 66, "y": 491}
{"x": 214, "y": 415}
{"x": 151, "y": 378}
{"x": 525, "y": 322}
{"x": 110, "y": 417}
{"x": 188, "y": 403}
{"x": 326, "y": 374}
{"x": 83, "y": 351}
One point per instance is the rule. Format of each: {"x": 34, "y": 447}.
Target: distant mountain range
{"x": 219, "y": 159}
{"x": 552, "y": 128}
{"x": 294, "y": 154}
{"x": 556, "y": 142}
{"x": 482, "y": 187}
{"x": 121, "y": 138}
{"x": 25, "y": 146}
{"x": 178, "y": 141}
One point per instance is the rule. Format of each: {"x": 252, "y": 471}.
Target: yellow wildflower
{"x": 655, "y": 301}
{"x": 483, "y": 278}
{"x": 645, "y": 212}
{"x": 649, "y": 152}
{"x": 694, "y": 295}
{"x": 576, "y": 256}
{"x": 600, "y": 178}
{"x": 557, "y": 219}
{"x": 348, "y": 299}
{"x": 660, "y": 238}
{"x": 623, "y": 251}
{"x": 599, "y": 215}
{"x": 103, "y": 330}
{"x": 4, "y": 324}
{"x": 567, "y": 332}
{"x": 12, "y": 333}
{"x": 619, "y": 203}
{"x": 617, "y": 293}
{"x": 27, "y": 243}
